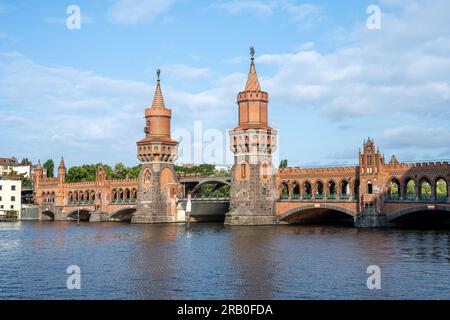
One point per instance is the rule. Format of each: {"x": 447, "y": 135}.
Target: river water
{"x": 211, "y": 261}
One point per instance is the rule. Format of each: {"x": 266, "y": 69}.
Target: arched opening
{"x": 86, "y": 197}
{"x": 210, "y": 189}
{"x": 75, "y": 197}
{"x": 70, "y": 197}
{"x": 114, "y": 195}
{"x": 369, "y": 187}
{"x": 48, "y": 215}
{"x": 410, "y": 189}
{"x": 134, "y": 195}
{"x": 92, "y": 196}
{"x": 425, "y": 192}
{"x": 441, "y": 190}
{"x": 394, "y": 189}
{"x": 284, "y": 190}
{"x": 307, "y": 190}
{"x": 319, "y": 190}
{"x": 166, "y": 180}
{"x": 331, "y": 190}
{"x": 323, "y": 215}
{"x": 120, "y": 195}
{"x": 295, "y": 191}
{"x": 356, "y": 190}
{"x": 127, "y": 195}
{"x": 85, "y": 215}
{"x": 422, "y": 218}
{"x": 122, "y": 215}
{"x": 345, "y": 190}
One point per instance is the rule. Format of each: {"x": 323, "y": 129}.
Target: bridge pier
{"x": 98, "y": 217}
{"x": 371, "y": 219}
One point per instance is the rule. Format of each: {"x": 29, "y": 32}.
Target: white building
{"x": 10, "y": 196}
{"x": 6, "y": 169}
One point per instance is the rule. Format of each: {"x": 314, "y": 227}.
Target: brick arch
{"x": 299, "y": 209}
{"x": 72, "y": 214}
{"x": 116, "y": 213}
{"x": 407, "y": 211}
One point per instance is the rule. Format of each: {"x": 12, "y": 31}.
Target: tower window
{"x": 369, "y": 188}
{"x": 243, "y": 169}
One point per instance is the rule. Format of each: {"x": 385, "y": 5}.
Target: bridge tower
{"x": 371, "y": 186}
{"x": 253, "y": 141}
{"x": 157, "y": 181}
{"x": 62, "y": 171}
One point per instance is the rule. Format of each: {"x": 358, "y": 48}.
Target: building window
{"x": 13, "y": 198}
{"x": 0, "y": 198}
{"x": 12, "y": 206}
{"x": 1, "y": 187}
{"x": 369, "y": 188}
{"x": 243, "y": 173}
{"x": 1, "y": 207}
{"x": 13, "y": 188}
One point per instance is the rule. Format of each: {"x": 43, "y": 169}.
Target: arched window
{"x": 410, "y": 188}
{"x": 345, "y": 190}
{"x": 441, "y": 189}
{"x": 243, "y": 169}
{"x": 369, "y": 187}
{"x": 295, "y": 191}
{"x": 120, "y": 195}
{"x": 284, "y": 191}
{"x": 127, "y": 195}
{"x": 331, "y": 190}
{"x": 114, "y": 195}
{"x": 319, "y": 190}
{"x": 307, "y": 190}
{"x": 425, "y": 189}
{"x": 394, "y": 189}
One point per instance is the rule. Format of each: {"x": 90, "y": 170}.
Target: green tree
{"x": 26, "y": 182}
{"x": 283, "y": 164}
{"x": 50, "y": 166}
{"x": 25, "y": 162}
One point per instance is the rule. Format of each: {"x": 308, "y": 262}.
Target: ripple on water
{"x": 210, "y": 261}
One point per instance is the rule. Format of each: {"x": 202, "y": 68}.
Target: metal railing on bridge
{"x": 413, "y": 197}
{"x": 123, "y": 201}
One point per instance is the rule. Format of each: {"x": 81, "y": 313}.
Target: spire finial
{"x": 158, "y": 73}
{"x": 252, "y": 52}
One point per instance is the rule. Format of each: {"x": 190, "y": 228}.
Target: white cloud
{"x": 416, "y": 137}
{"x": 81, "y": 113}
{"x": 400, "y": 69}
{"x": 239, "y": 6}
{"x": 305, "y": 12}
{"x": 185, "y": 72}
{"x": 132, "y": 12}
{"x": 85, "y": 19}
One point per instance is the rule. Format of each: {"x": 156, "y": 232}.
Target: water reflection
{"x": 211, "y": 261}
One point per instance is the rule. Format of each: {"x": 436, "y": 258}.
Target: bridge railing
{"x": 414, "y": 198}
{"x": 319, "y": 197}
{"x": 123, "y": 201}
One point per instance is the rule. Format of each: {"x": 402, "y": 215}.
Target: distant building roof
{"x": 8, "y": 161}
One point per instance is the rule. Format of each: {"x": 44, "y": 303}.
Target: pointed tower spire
{"x": 158, "y": 100}
{"x": 61, "y": 163}
{"x": 252, "y": 80}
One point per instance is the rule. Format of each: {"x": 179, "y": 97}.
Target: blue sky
{"x": 82, "y": 93}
